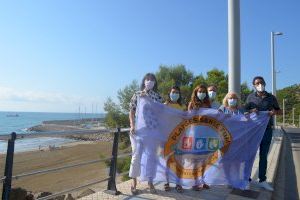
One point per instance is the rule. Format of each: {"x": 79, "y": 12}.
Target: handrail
{"x": 110, "y": 179}
{"x": 58, "y": 168}
{"x": 2, "y": 178}
{"x": 71, "y": 190}
{"x": 63, "y": 167}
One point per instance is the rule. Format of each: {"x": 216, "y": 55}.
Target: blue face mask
{"x": 174, "y": 97}
{"x": 201, "y": 95}
{"x": 212, "y": 95}
{"x": 232, "y": 102}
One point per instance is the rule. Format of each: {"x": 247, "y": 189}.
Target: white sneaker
{"x": 266, "y": 186}
{"x": 247, "y": 187}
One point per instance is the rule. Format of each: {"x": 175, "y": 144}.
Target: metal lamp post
{"x": 273, "y": 34}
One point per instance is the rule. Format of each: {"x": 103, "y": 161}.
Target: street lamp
{"x": 273, "y": 61}
{"x": 273, "y": 66}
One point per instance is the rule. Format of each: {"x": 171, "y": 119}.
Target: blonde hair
{"x": 231, "y": 95}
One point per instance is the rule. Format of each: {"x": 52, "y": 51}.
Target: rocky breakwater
{"x": 80, "y": 129}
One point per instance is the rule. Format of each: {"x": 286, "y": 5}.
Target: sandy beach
{"x": 88, "y": 143}
{"x": 68, "y": 154}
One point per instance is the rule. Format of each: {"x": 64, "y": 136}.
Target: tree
{"x": 126, "y": 94}
{"x": 214, "y": 77}
{"x": 168, "y": 76}
{"x": 245, "y": 91}
{"x": 292, "y": 96}
{"x": 114, "y": 116}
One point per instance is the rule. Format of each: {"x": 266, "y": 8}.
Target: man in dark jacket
{"x": 260, "y": 100}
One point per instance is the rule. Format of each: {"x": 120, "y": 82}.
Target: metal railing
{"x": 111, "y": 185}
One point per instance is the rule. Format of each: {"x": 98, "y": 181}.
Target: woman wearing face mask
{"x": 231, "y": 104}
{"x": 212, "y": 93}
{"x": 148, "y": 88}
{"x": 174, "y": 98}
{"x": 199, "y": 99}
{"x": 174, "y": 101}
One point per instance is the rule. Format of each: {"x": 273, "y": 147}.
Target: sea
{"x": 20, "y": 122}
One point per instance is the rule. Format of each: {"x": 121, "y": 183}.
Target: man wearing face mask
{"x": 212, "y": 93}
{"x": 260, "y": 100}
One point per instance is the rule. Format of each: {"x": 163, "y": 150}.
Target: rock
{"x": 44, "y": 194}
{"x": 62, "y": 197}
{"x": 29, "y": 197}
{"x": 18, "y": 193}
{"x": 86, "y": 193}
{"x": 69, "y": 197}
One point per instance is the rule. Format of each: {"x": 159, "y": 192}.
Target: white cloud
{"x": 63, "y": 102}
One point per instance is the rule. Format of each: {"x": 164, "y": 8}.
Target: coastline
{"x": 85, "y": 143}
{"x": 56, "y": 133}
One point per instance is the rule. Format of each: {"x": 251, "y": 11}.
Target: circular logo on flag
{"x": 195, "y": 145}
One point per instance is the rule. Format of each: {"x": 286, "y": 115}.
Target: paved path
{"x": 288, "y": 177}
{"x": 215, "y": 193}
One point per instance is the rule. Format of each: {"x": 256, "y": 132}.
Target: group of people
{"x": 203, "y": 97}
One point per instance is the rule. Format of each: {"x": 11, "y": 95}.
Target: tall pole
{"x": 273, "y": 66}
{"x": 234, "y": 49}
{"x": 283, "y": 113}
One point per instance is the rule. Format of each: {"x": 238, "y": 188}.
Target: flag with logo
{"x": 199, "y": 146}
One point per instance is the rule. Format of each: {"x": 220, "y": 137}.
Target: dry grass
{"x": 68, "y": 178}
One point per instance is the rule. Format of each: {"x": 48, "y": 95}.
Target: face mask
{"x": 201, "y": 95}
{"x": 232, "y": 102}
{"x": 212, "y": 95}
{"x": 260, "y": 88}
{"x": 149, "y": 84}
{"x": 174, "y": 97}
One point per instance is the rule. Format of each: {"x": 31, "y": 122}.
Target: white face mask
{"x": 212, "y": 95}
{"x": 260, "y": 88}
{"x": 174, "y": 97}
{"x": 149, "y": 84}
{"x": 201, "y": 95}
{"x": 232, "y": 102}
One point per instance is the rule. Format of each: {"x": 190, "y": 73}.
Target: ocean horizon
{"x": 20, "y": 122}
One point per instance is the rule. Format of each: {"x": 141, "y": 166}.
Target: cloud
{"x": 14, "y": 95}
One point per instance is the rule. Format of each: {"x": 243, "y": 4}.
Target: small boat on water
{"x": 12, "y": 115}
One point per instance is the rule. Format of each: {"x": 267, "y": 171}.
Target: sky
{"x": 57, "y": 55}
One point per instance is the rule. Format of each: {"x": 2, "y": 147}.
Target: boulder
{"x": 18, "y": 193}
{"x": 86, "y": 193}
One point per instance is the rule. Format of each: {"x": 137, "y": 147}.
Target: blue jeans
{"x": 263, "y": 154}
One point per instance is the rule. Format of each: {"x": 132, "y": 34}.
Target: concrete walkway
{"x": 216, "y": 192}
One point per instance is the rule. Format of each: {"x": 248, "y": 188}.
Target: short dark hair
{"x": 258, "y": 77}
{"x": 175, "y": 87}
{"x": 151, "y": 76}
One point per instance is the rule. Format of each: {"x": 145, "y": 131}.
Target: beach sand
{"x": 69, "y": 154}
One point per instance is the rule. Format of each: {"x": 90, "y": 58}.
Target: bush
{"x": 123, "y": 165}
{"x": 125, "y": 177}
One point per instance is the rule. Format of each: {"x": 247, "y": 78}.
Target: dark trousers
{"x": 263, "y": 154}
